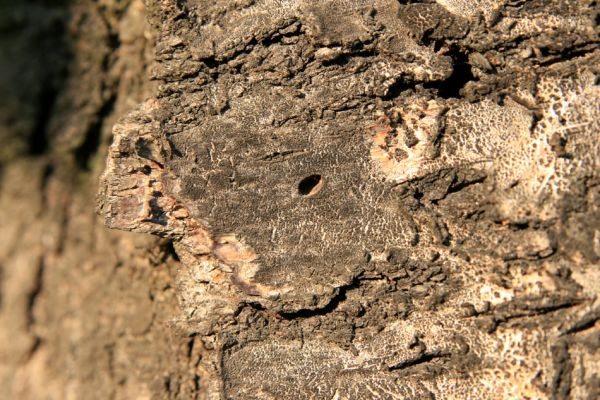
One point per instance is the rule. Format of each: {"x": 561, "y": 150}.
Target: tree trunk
{"x": 349, "y": 199}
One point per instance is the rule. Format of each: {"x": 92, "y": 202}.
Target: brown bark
{"x": 85, "y": 312}
{"x": 351, "y": 199}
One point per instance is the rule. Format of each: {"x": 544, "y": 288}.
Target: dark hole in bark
{"x": 461, "y": 75}
{"x": 310, "y": 185}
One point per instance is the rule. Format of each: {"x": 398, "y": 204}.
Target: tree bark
{"x": 347, "y": 199}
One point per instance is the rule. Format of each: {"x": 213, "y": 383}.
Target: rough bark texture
{"x": 353, "y": 199}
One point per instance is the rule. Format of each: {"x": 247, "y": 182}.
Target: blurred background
{"x": 85, "y": 313}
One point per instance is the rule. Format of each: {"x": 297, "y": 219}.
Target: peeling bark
{"x": 353, "y": 199}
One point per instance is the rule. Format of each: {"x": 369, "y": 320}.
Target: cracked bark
{"x": 350, "y": 200}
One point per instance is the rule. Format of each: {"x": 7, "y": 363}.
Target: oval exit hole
{"x": 310, "y": 185}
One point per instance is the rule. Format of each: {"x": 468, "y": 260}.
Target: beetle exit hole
{"x": 310, "y": 185}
